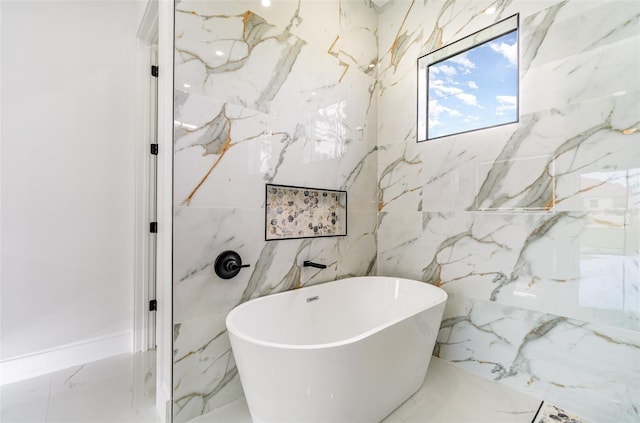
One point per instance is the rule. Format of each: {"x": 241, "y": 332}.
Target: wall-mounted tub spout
{"x": 308, "y": 263}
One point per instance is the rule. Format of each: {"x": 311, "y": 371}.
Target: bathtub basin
{"x": 352, "y": 350}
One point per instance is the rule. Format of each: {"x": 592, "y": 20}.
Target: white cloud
{"x": 468, "y": 99}
{"x": 436, "y": 109}
{"x": 506, "y": 102}
{"x": 463, "y": 61}
{"x": 472, "y": 85}
{"x": 508, "y": 51}
{"x": 436, "y": 82}
{"x": 434, "y": 112}
{"x": 448, "y": 70}
{"x": 449, "y": 91}
{"x": 444, "y": 90}
{"x": 507, "y": 99}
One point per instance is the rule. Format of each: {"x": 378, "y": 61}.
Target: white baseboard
{"x": 63, "y": 357}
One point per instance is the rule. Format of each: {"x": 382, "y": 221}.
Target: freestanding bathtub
{"x": 346, "y": 351}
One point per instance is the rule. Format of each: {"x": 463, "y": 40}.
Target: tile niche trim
{"x": 293, "y": 212}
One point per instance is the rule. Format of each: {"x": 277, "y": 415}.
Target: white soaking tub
{"x": 346, "y": 351}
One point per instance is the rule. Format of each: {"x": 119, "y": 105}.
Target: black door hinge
{"x": 153, "y": 305}
{"x": 154, "y": 149}
{"x": 153, "y": 227}
{"x": 154, "y": 70}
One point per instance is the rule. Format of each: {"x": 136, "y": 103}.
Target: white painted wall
{"x": 67, "y": 174}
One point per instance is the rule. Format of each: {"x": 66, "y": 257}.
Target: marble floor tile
{"x": 25, "y": 401}
{"x": 234, "y": 412}
{"x": 118, "y": 389}
{"x": 449, "y": 394}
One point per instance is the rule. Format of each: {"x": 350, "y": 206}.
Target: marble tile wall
{"x": 532, "y": 228}
{"x": 285, "y": 94}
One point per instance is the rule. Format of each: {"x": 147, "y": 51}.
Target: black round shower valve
{"x": 228, "y": 264}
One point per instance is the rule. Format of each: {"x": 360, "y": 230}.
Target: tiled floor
{"x": 449, "y": 394}
{"x": 121, "y": 390}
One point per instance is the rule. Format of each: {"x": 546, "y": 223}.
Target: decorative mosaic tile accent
{"x": 552, "y": 414}
{"x": 298, "y": 212}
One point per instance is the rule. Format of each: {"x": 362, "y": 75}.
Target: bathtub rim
{"x": 232, "y": 329}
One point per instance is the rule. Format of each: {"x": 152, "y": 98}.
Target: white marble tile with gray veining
{"x": 274, "y": 68}
{"x": 400, "y": 36}
{"x": 552, "y": 146}
{"x": 574, "y": 27}
{"x": 453, "y": 172}
{"x": 357, "y": 41}
{"x": 224, "y": 153}
{"x": 212, "y": 138}
{"x": 201, "y": 234}
{"x": 357, "y": 252}
{"x": 570, "y": 45}
{"x": 597, "y": 73}
{"x": 116, "y": 389}
{"x": 224, "y": 146}
{"x": 357, "y": 174}
{"x": 400, "y": 244}
{"x": 537, "y": 262}
{"x": 399, "y": 177}
{"x": 466, "y": 251}
{"x": 532, "y": 228}
{"x": 244, "y": 60}
{"x": 205, "y": 376}
{"x": 564, "y": 360}
{"x": 344, "y": 28}
{"x": 602, "y": 160}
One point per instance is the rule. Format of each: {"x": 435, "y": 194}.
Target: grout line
{"x": 46, "y": 413}
{"x": 537, "y": 412}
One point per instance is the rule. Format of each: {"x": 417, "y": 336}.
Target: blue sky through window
{"x": 474, "y": 89}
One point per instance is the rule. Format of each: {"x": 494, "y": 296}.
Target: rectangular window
{"x": 470, "y": 84}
